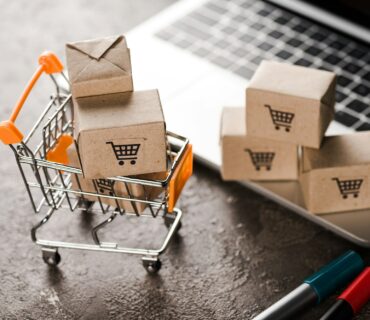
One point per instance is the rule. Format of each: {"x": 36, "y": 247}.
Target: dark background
{"x": 236, "y": 254}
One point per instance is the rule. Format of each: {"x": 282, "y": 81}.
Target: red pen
{"x": 352, "y": 299}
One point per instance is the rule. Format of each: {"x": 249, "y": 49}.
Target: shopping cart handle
{"x": 48, "y": 63}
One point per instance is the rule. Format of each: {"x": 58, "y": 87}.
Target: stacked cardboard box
{"x": 289, "y": 108}
{"x": 117, "y": 131}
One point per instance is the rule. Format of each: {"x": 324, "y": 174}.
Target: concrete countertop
{"x": 236, "y": 253}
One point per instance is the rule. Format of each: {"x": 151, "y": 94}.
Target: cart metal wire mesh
{"x": 261, "y": 159}
{"x": 349, "y": 187}
{"x": 50, "y": 188}
{"x": 281, "y": 118}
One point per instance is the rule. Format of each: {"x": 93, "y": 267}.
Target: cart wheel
{"x": 101, "y": 190}
{"x": 52, "y": 258}
{"x": 344, "y": 196}
{"x": 121, "y": 163}
{"x": 258, "y": 168}
{"x": 277, "y": 127}
{"x": 287, "y": 129}
{"x": 84, "y": 204}
{"x": 132, "y": 162}
{"x": 152, "y": 266}
{"x": 268, "y": 168}
{"x": 355, "y": 195}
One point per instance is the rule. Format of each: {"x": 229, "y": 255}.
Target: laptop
{"x": 201, "y": 54}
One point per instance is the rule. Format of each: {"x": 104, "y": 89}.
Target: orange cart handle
{"x": 48, "y": 63}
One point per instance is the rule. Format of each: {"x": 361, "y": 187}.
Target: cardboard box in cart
{"x": 248, "y": 157}
{"x": 121, "y": 134}
{"x": 290, "y": 103}
{"x": 118, "y": 188}
{"x": 99, "y": 66}
{"x": 336, "y": 177}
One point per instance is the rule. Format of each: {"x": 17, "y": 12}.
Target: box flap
{"x": 292, "y": 80}
{"x": 339, "y": 151}
{"x": 233, "y": 122}
{"x": 118, "y": 110}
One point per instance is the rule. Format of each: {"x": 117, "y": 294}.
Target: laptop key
{"x": 202, "y": 52}
{"x": 244, "y": 72}
{"x": 357, "y": 53}
{"x": 281, "y": 20}
{"x": 337, "y": 44}
{"x": 367, "y": 76}
{"x": 332, "y": 59}
{"x": 276, "y": 34}
{"x": 351, "y": 68}
{"x": 265, "y": 46}
{"x": 222, "y": 62}
{"x": 343, "y": 81}
{"x": 240, "y": 52}
{"x": 284, "y": 54}
{"x": 339, "y": 96}
{"x": 216, "y": 8}
{"x": 257, "y": 26}
{"x": 313, "y": 51}
{"x": 364, "y": 127}
{"x": 264, "y": 12}
{"x": 203, "y": 19}
{"x": 247, "y": 38}
{"x": 357, "y": 105}
{"x": 345, "y": 118}
{"x": 362, "y": 90}
{"x": 303, "y": 62}
{"x": 318, "y": 36}
{"x": 295, "y": 42}
{"x": 300, "y": 28}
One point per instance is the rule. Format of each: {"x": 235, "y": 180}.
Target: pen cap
{"x": 358, "y": 292}
{"x": 336, "y": 274}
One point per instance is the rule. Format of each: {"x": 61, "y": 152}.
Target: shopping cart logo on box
{"x": 105, "y": 185}
{"x": 125, "y": 152}
{"x": 349, "y": 187}
{"x": 281, "y": 118}
{"x": 261, "y": 159}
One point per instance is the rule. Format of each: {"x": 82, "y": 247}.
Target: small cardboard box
{"x": 336, "y": 177}
{"x": 120, "y": 189}
{"x": 290, "y": 103}
{"x": 99, "y": 66}
{"x": 121, "y": 134}
{"x": 247, "y": 157}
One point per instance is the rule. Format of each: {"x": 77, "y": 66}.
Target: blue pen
{"x": 316, "y": 288}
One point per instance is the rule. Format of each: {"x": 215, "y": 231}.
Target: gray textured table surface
{"x": 236, "y": 253}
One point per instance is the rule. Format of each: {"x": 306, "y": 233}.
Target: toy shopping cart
{"x": 281, "y": 118}
{"x": 349, "y": 187}
{"x": 125, "y": 152}
{"x": 49, "y": 183}
{"x": 261, "y": 159}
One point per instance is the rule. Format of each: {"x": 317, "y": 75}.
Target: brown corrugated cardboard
{"x": 120, "y": 189}
{"x": 248, "y": 157}
{"x": 99, "y": 66}
{"x": 290, "y": 103}
{"x": 336, "y": 177}
{"x": 121, "y": 134}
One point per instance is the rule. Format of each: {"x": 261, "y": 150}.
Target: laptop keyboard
{"x": 238, "y": 35}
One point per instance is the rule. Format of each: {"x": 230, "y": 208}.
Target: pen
{"x": 351, "y": 300}
{"x": 316, "y": 287}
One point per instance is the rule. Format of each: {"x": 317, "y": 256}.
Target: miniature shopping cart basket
{"x": 52, "y": 185}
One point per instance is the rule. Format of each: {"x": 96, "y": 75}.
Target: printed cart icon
{"x": 125, "y": 152}
{"x": 261, "y": 159}
{"x": 281, "y": 118}
{"x": 349, "y": 187}
{"x": 105, "y": 185}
